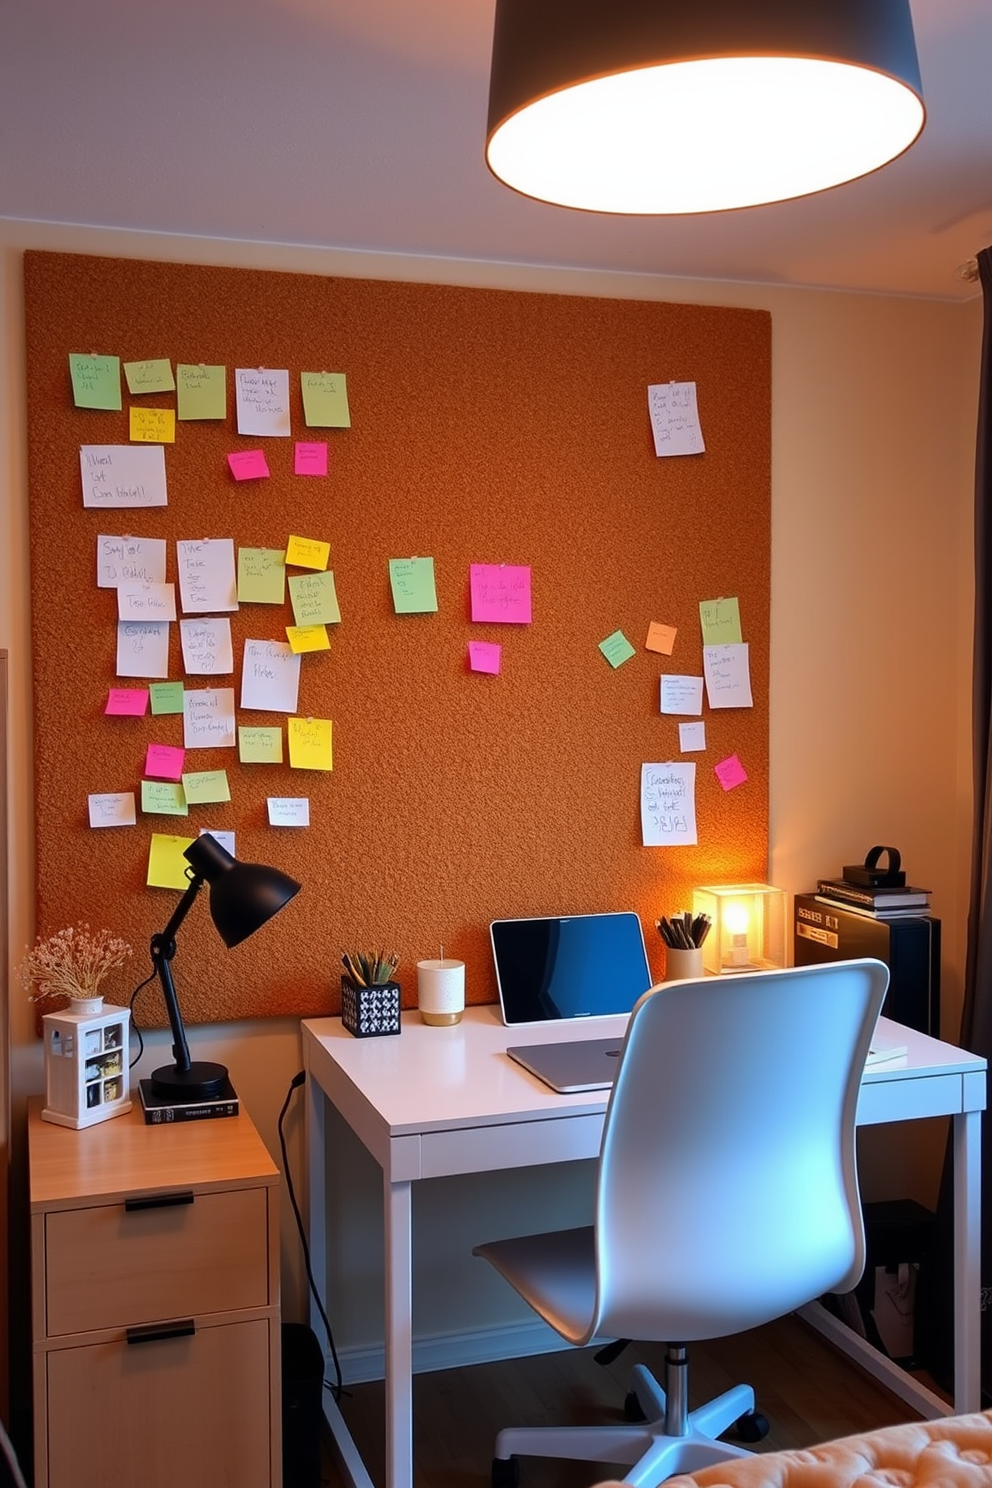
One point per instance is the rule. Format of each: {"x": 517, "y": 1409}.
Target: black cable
{"x": 134, "y": 1022}
{"x": 337, "y": 1389}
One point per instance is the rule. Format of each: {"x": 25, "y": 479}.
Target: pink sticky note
{"x": 164, "y": 762}
{"x": 311, "y": 458}
{"x": 484, "y": 656}
{"x": 127, "y": 702}
{"x": 248, "y": 465}
{"x": 730, "y": 772}
{"x": 501, "y": 592}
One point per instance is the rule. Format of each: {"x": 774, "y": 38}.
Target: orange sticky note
{"x": 661, "y": 638}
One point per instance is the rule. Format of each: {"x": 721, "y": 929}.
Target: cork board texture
{"x": 487, "y": 427}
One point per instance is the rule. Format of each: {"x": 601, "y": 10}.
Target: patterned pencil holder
{"x": 369, "y": 1011}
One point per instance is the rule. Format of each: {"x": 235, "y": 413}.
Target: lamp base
{"x": 202, "y": 1081}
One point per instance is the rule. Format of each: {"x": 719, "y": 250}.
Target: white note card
{"x": 728, "y": 675}
{"x": 226, "y": 839}
{"x": 262, "y": 397}
{"x": 289, "y": 811}
{"x": 207, "y": 649}
{"x": 207, "y": 579}
{"x": 681, "y": 694}
{"x": 129, "y": 560}
{"x": 692, "y": 736}
{"x": 143, "y": 648}
{"x": 668, "y": 805}
{"x": 146, "y": 601}
{"x": 270, "y": 676}
{"x": 208, "y": 718}
{"x": 675, "y": 419}
{"x": 112, "y": 809}
{"x": 123, "y": 475}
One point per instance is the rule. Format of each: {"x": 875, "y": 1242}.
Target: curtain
{"x": 976, "y": 1026}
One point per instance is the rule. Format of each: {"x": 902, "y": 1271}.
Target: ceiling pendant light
{"x": 653, "y": 106}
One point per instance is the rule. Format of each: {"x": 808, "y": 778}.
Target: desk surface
{"x": 436, "y": 1079}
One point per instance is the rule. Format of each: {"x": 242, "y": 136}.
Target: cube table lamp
{"x": 748, "y": 926}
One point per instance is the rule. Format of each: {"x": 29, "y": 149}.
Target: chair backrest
{"x": 727, "y": 1188}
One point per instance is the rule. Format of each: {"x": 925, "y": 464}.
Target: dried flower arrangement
{"x": 71, "y": 963}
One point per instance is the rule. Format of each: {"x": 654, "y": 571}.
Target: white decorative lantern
{"x": 86, "y": 1068}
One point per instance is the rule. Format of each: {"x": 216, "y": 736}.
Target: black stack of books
{"x": 876, "y": 903}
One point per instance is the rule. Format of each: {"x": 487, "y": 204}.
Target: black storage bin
{"x": 900, "y": 1232}
{"x": 302, "y": 1406}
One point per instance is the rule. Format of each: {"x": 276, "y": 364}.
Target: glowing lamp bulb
{"x": 736, "y": 919}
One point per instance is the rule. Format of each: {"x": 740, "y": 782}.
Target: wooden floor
{"x": 808, "y": 1390}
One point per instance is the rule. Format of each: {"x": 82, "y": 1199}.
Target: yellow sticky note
{"x": 308, "y": 638}
{"x": 259, "y": 746}
{"x": 307, "y": 552}
{"x": 261, "y": 575}
{"x": 203, "y": 787}
{"x": 166, "y": 864}
{"x": 310, "y": 743}
{"x": 325, "y": 400}
{"x": 153, "y": 425}
{"x": 660, "y": 638}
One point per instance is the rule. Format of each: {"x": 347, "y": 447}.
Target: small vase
{"x": 85, "y": 1005}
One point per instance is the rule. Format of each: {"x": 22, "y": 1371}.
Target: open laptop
{"x": 565, "y": 967}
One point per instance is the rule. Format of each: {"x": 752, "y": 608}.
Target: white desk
{"x": 433, "y": 1102}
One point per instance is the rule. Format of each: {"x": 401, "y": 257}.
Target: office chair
{"x": 727, "y": 1195}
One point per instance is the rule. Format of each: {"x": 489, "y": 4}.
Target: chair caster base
{"x": 751, "y": 1427}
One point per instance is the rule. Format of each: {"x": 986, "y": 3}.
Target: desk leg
{"x": 316, "y": 1199}
{"x": 398, "y": 1213}
{"x": 967, "y": 1261}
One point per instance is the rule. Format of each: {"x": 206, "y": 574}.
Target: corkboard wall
{"x": 487, "y": 427}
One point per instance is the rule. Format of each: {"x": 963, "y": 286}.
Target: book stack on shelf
{"x": 878, "y": 903}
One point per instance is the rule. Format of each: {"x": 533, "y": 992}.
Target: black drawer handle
{"x": 154, "y": 1332}
{"x": 157, "y": 1201}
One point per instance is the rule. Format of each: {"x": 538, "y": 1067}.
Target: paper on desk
{"x": 262, "y": 400}
{"x": 206, "y": 575}
{"x": 675, "y": 419}
{"x": 270, "y": 677}
{"x": 681, "y": 694}
{"x": 129, "y": 560}
{"x": 143, "y": 648}
{"x": 207, "y": 649}
{"x": 208, "y": 718}
{"x": 668, "y": 805}
{"x": 123, "y": 475}
{"x": 728, "y": 677}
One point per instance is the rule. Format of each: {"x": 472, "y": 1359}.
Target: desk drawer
{"x": 520, "y": 1144}
{"x": 111, "y": 1267}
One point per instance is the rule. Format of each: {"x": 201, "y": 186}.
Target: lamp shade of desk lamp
{"x": 678, "y": 106}
{"x": 242, "y": 897}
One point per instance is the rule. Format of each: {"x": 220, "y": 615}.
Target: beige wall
{"x": 874, "y": 405}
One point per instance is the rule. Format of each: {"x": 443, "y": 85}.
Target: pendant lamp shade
{"x": 658, "y": 107}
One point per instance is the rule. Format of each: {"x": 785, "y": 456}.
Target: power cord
{"x": 337, "y": 1389}
{"x": 134, "y": 1021}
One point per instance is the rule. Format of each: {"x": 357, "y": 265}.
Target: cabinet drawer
{"x": 111, "y": 1267}
{"x": 191, "y": 1411}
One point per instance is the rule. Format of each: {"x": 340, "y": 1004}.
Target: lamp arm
{"x": 163, "y": 948}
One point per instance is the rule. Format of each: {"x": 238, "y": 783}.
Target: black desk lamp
{"x": 242, "y": 897}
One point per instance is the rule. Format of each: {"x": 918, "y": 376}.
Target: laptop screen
{"x": 569, "y": 966}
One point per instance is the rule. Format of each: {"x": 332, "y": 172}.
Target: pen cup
{"x": 683, "y": 964}
{"x": 441, "y": 991}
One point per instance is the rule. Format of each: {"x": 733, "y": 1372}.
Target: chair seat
{"x": 555, "y": 1274}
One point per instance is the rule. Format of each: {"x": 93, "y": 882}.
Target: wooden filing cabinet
{"x": 155, "y": 1304}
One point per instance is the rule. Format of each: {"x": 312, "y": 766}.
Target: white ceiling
{"x": 359, "y": 124}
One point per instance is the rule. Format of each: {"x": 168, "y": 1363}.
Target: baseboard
{"x": 455, "y": 1350}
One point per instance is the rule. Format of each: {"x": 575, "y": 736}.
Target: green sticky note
{"x": 261, "y": 575}
{"x": 325, "y": 400}
{"x": 204, "y": 786}
{"x": 166, "y": 697}
{"x": 616, "y": 648}
{"x": 201, "y": 391}
{"x": 720, "y": 620}
{"x": 314, "y": 598}
{"x": 259, "y": 746}
{"x": 152, "y": 376}
{"x": 163, "y": 798}
{"x": 96, "y": 381}
{"x": 412, "y": 583}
